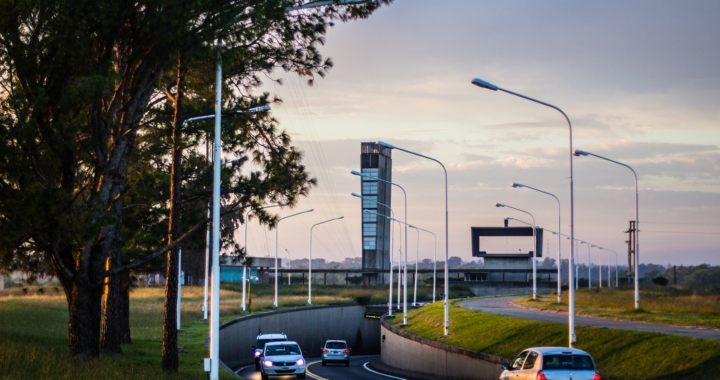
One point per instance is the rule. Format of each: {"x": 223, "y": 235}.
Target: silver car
{"x": 551, "y": 363}
{"x": 282, "y": 358}
{"x": 335, "y": 351}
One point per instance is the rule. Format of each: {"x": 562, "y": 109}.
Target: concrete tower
{"x": 377, "y": 162}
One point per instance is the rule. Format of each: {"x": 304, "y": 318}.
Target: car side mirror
{"x": 253, "y": 347}
{"x": 506, "y": 366}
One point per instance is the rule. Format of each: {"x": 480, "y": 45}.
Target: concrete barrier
{"x": 412, "y": 353}
{"x": 309, "y": 326}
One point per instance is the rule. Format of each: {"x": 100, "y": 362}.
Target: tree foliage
{"x": 86, "y": 89}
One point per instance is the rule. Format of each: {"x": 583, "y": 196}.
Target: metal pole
{"x": 571, "y": 298}
{"x": 310, "y": 263}
{"x": 215, "y": 306}
{"x": 179, "y": 287}
{"x": 447, "y": 233}
{"x": 277, "y": 229}
{"x": 417, "y": 260}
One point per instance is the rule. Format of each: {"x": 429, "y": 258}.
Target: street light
{"x": 310, "y": 263}
{"x": 637, "y": 222}
{"x": 213, "y": 363}
{"x": 447, "y": 233}
{"x": 277, "y": 229}
{"x": 392, "y": 247}
{"x": 571, "y": 298}
{"x": 515, "y": 184}
{"x": 616, "y": 266}
{"x": 589, "y": 264}
{"x": 599, "y": 268}
{"x": 434, "y": 258}
{"x": 354, "y": 172}
{"x": 534, "y": 289}
{"x": 417, "y": 260}
{"x": 247, "y": 214}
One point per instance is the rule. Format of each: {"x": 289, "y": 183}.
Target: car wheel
{"x": 323, "y": 363}
{"x": 301, "y": 376}
{"x": 257, "y": 366}
{"x": 264, "y": 376}
{"x": 347, "y": 363}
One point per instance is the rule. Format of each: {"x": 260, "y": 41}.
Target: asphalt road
{"x": 358, "y": 370}
{"x": 502, "y": 306}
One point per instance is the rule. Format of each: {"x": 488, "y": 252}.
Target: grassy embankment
{"x": 619, "y": 354}
{"x": 33, "y": 331}
{"x": 663, "y": 305}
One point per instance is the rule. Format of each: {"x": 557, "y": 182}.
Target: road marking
{"x": 381, "y": 374}
{"x": 242, "y": 368}
{"x": 314, "y": 376}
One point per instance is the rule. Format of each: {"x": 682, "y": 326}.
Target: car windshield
{"x": 335, "y": 345}
{"x": 261, "y": 342}
{"x": 567, "y": 362}
{"x": 282, "y": 349}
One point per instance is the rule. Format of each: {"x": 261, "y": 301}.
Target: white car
{"x": 282, "y": 358}
{"x": 551, "y": 363}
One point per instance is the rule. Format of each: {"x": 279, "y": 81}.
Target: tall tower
{"x": 377, "y": 162}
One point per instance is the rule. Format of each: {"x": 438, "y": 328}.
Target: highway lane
{"x": 503, "y": 306}
{"x": 358, "y": 370}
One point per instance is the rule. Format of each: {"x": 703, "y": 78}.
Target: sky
{"x": 640, "y": 82}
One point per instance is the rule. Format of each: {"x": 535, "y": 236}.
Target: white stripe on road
{"x": 242, "y": 368}
{"x": 381, "y": 374}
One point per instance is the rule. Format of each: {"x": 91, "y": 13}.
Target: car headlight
{"x": 268, "y": 363}
{"x": 300, "y": 361}
{"x": 257, "y": 353}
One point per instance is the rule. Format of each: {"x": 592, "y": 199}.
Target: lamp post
{"x": 434, "y": 258}
{"x": 244, "y": 279}
{"x": 277, "y": 229}
{"x": 209, "y": 226}
{"x": 354, "y": 172}
{"x": 616, "y": 265}
{"x": 515, "y": 184}
{"x": 392, "y": 247}
{"x": 589, "y": 265}
{"x": 637, "y": 222}
{"x": 447, "y": 233}
{"x": 571, "y": 298}
{"x": 534, "y": 288}
{"x": 599, "y": 268}
{"x": 214, "y": 361}
{"x": 310, "y": 263}
{"x": 417, "y": 260}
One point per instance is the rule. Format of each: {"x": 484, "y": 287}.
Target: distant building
{"x": 231, "y": 269}
{"x": 377, "y": 162}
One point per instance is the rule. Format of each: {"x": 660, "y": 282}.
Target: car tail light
{"x": 268, "y": 363}
{"x": 597, "y": 376}
{"x": 540, "y": 376}
{"x": 346, "y": 351}
{"x": 325, "y": 350}
{"x": 300, "y": 362}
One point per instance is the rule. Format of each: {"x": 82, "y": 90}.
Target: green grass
{"x": 33, "y": 329}
{"x": 619, "y": 354}
{"x": 663, "y": 305}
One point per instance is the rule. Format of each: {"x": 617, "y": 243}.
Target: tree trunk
{"x": 124, "y": 309}
{"x": 84, "y": 320}
{"x": 112, "y": 327}
{"x": 169, "y": 350}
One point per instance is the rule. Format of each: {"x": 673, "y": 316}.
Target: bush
{"x": 660, "y": 280}
{"x": 363, "y": 299}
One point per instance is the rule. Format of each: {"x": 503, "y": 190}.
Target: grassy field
{"x": 33, "y": 331}
{"x": 663, "y": 305}
{"x": 619, "y": 354}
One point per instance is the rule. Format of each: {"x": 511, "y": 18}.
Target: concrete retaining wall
{"x": 310, "y": 327}
{"x": 412, "y": 353}
{"x": 496, "y": 288}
